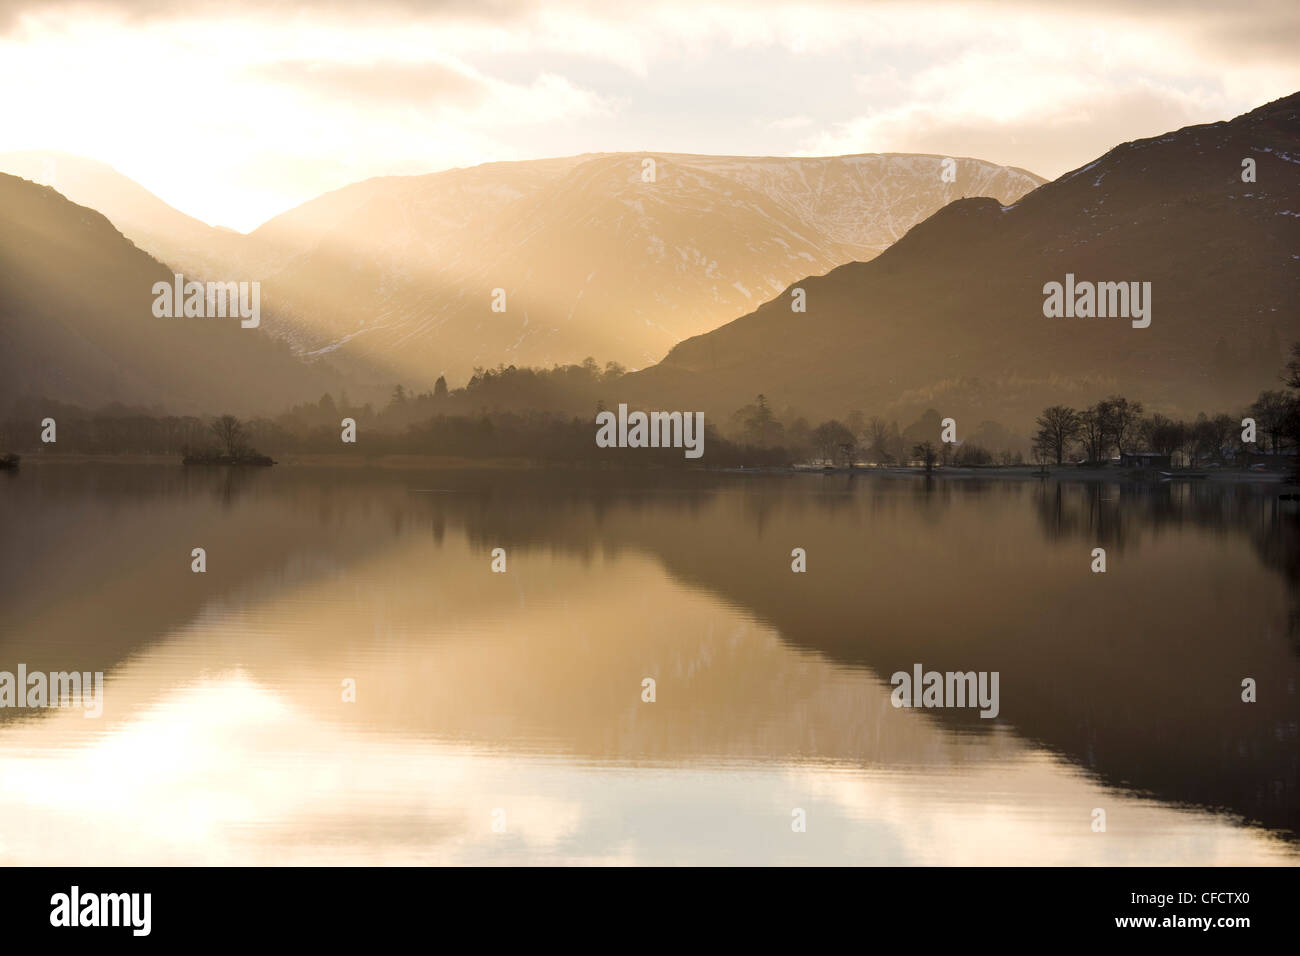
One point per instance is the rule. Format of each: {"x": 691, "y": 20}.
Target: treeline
{"x": 542, "y": 437}
{"x": 561, "y": 389}
{"x": 498, "y": 414}
{"x": 873, "y": 440}
{"x": 1113, "y": 426}
{"x": 1270, "y": 426}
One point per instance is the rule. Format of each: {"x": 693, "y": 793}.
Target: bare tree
{"x": 1213, "y": 435}
{"x": 1164, "y": 436}
{"x": 1092, "y": 429}
{"x": 230, "y": 433}
{"x": 1122, "y": 418}
{"x": 1292, "y": 379}
{"x": 1041, "y": 452}
{"x": 1057, "y": 427}
{"x": 1292, "y": 374}
{"x": 831, "y": 437}
{"x": 1271, "y": 411}
{"x": 878, "y": 440}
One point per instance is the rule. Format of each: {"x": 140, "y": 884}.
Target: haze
{"x": 235, "y": 112}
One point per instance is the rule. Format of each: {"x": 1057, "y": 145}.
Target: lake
{"x": 350, "y": 681}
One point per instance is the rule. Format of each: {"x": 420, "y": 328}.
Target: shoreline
{"x": 1063, "y": 473}
{"x": 451, "y": 462}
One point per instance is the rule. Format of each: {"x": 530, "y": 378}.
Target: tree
{"x": 879, "y": 441}
{"x": 1225, "y": 429}
{"x": 440, "y": 387}
{"x": 1209, "y": 436}
{"x": 760, "y": 426}
{"x": 798, "y": 436}
{"x": 230, "y": 434}
{"x": 1042, "y": 455}
{"x": 1292, "y": 379}
{"x": 1164, "y": 436}
{"x": 926, "y": 452}
{"x": 1092, "y": 430}
{"x": 926, "y": 428}
{"x": 1271, "y": 411}
{"x": 857, "y": 423}
{"x": 1122, "y": 419}
{"x": 1292, "y": 374}
{"x": 399, "y": 397}
{"x": 1057, "y": 427}
{"x": 970, "y": 453}
{"x": 833, "y": 437}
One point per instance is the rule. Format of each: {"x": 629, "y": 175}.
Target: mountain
{"x": 952, "y": 315}
{"x": 400, "y": 272}
{"x": 165, "y": 233}
{"x": 592, "y": 258}
{"x": 77, "y": 323}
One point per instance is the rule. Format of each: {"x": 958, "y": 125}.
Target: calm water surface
{"x": 516, "y": 697}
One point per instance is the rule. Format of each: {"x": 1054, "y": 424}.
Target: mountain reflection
{"x": 382, "y": 576}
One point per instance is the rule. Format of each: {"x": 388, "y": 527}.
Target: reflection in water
{"x": 225, "y": 738}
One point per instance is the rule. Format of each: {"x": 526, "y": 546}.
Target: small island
{"x": 233, "y": 447}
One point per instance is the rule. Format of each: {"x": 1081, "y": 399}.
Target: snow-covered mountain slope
{"x": 603, "y": 255}
{"x": 952, "y": 316}
{"x": 618, "y": 256}
{"x": 868, "y": 202}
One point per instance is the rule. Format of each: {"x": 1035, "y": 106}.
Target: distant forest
{"x": 548, "y": 415}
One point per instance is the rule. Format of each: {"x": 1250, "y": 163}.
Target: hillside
{"x": 952, "y": 316}
{"x": 165, "y": 233}
{"x": 593, "y": 260}
{"x": 397, "y": 273}
{"x": 77, "y": 323}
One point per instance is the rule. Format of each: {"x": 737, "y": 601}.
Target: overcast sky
{"x": 233, "y": 111}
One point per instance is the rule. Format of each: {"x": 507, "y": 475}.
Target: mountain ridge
{"x": 77, "y": 322}
{"x": 399, "y": 271}
{"x": 967, "y": 285}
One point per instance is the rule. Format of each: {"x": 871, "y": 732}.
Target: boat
{"x": 9, "y": 462}
{"x": 1169, "y": 475}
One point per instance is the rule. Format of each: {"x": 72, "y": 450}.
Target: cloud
{"x": 791, "y": 122}
{"x": 318, "y": 94}
{"x": 143, "y": 12}
{"x": 382, "y": 83}
{"x": 1045, "y": 140}
{"x": 1048, "y": 93}
{"x": 455, "y": 91}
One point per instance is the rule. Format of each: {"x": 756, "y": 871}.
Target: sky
{"x": 235, "y": 111}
